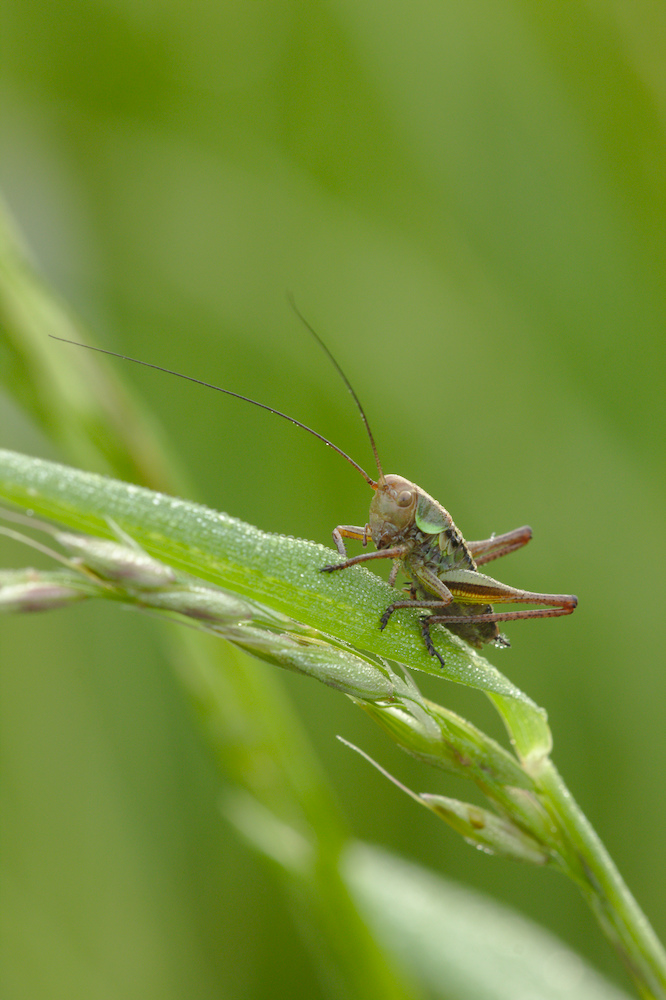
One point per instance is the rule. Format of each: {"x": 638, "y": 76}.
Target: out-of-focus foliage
{"x": 467, "y": 201}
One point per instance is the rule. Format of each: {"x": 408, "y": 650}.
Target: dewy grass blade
{"x": 532, "y": 816}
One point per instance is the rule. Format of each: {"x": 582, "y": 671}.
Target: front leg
{"x": 396, "y": 553}
{"x": 349, "y": 531}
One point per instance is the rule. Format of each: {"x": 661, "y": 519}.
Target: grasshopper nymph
{"x": 418, "y": 534}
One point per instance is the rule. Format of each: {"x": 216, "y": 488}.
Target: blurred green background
{"x": 467, "y": 201}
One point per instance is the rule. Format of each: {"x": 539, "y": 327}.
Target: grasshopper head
{"x": 392, "y": 510}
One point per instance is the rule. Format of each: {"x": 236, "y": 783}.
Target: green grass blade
{"x": 283, "y": 573}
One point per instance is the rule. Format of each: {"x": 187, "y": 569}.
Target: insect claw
{"x": 384, "y": 620}
{"x": 425, "y": 632}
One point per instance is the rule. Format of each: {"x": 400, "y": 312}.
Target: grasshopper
{"x": 409, "y": 527}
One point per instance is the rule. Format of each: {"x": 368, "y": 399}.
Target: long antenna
{"x": 228, "y": 392}
{"x": 344, "y": 378}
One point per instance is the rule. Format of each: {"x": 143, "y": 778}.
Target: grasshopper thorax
{"x": 392, "y": 510}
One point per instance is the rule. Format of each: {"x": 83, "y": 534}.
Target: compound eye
{"x": 404, "y": 498}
